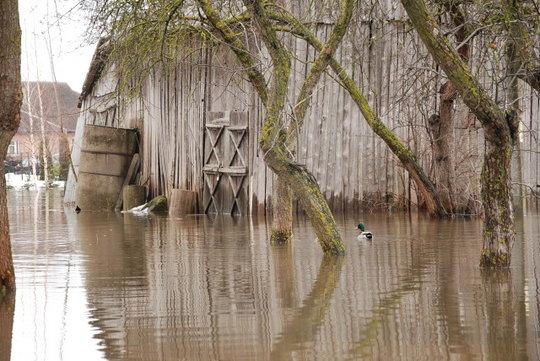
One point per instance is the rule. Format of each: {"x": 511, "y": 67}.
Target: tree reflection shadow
{"x": 7, "y": 310}
{"x": 408, "y": 283}
{"x": 304, "y": 327}
{"x": 503, "y": 306}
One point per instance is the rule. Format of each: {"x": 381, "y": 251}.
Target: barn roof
{"x": 97, "y": 65}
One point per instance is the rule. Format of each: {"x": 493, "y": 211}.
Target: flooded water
{"x": 108, "y": 286}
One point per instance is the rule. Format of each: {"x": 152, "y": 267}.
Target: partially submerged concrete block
{"x": 105, "y": 158}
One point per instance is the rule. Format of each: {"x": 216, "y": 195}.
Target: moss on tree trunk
{"x": 498, "y": 234}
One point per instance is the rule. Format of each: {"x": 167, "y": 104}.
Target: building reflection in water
{"x": 210, "y": 288}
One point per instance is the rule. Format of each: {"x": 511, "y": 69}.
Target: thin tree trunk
{"x": 499, "y": 234}
{"x": 442, "y": 132}
{"x": 45, "y": 165}
{"x": 10, "y": 116}
{"x": 33, "y": 154}
{"x": 44, "y": 149}
{"x": 282, "y": 213}
{"x": 31, "y": 115}
{"x": 522, "y": 41}
{"x": 515, "y": 60}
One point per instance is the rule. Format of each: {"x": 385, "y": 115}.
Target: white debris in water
{"x": 27, "y": 181}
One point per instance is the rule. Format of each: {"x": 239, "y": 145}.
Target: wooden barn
{"x": 198, "y": 123}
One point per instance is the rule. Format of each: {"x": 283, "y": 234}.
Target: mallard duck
{"x": 364, "y": 235}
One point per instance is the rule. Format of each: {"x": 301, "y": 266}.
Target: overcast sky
{"x": 72, "y": 52}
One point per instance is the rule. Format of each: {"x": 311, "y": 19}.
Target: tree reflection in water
{"x": 303, "y": 328}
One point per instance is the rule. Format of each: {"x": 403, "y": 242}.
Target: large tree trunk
{"x": 7, "y": 273}
{"x": 10, "y": 107}
{"x": 282, "y": 213}
{"x": 498, "y": 235}
{"x": 7, "y": 311}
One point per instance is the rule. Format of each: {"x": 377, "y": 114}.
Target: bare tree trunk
{"x": 33, "y": 154}
{"x": 442, "y": 132}
{"x": 522, "y": 40}
{"x": 44, "y": 149}
{"x": 45, "y": 159}
{"x": 282, "y": 213}
{"x": 306, "y": 189}
{"x": 7, "y": 272}
{"x": 10, "y": 116}
{"x": 441, "y": 127}
{"x": 498, "y": 235}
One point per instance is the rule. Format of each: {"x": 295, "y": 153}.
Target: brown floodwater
{"x": 95, "y": 286}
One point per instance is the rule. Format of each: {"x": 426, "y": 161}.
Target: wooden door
{"x": 225, "y": 167}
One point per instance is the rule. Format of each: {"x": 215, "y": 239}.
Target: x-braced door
{"x": 225, "y": 168}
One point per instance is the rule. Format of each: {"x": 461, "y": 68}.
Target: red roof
{"x": 66, "y": 113}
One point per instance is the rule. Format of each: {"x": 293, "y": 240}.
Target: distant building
{"x": 20, "y": 149}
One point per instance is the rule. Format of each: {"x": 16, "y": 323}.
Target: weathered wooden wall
{"x": 353, "y": 166}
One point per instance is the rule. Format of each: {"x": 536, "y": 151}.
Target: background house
{"x": 55, "y": 118}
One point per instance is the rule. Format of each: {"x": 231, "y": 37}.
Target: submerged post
{"x": 133, "y": 196}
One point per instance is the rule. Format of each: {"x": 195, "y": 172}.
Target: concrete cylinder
{"x": 105, "y": 158}
{"x": 133, "y": 196}
{"x": 182, "y": 202}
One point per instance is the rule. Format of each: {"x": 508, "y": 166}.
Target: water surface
{"x": 105, "y": 286}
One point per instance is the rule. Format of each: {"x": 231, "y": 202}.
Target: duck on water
{"x": 364, "y": 235}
